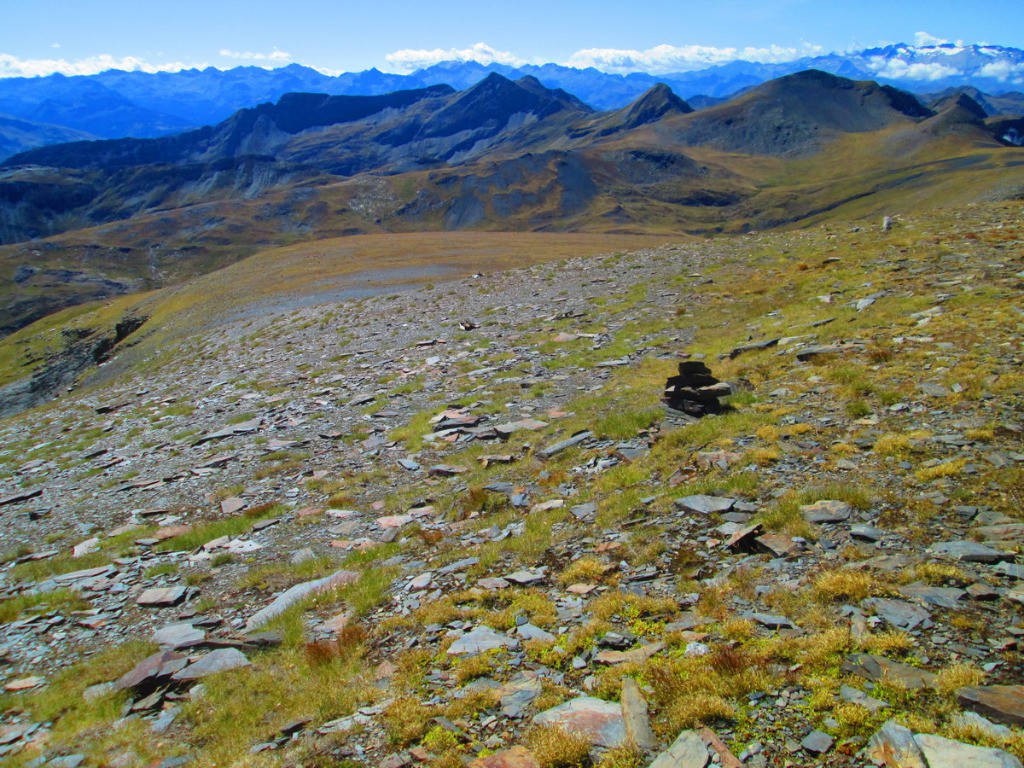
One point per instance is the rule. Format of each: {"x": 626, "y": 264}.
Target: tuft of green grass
{"x": 59, "y": 600}
{"x": 231, "y": 526}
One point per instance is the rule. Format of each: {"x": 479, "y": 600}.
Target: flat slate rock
{"x": 160, "y": 597}
{"x": 817, "y": 742}
{"x": 636, "y": 717}
{"x": 153, "y": 668}
{"x": 21, "y": 496}
{"x": 687, "y": 751}
{"x": 946, "y": 753}
{"x": 509, "y": 428}
{"x": 769, "y": 620}
{"x": 1000, "y": 703}
{"x": 971, "y": 552}
{"x": 826, "y": 511}
{"x": 1012, "y": 570}
{"x": 858, "y": 697}
{"x": 480, "y": 640}
{"x": 296, "y": 593}
{"x": 705, "y": 505}
{"x": 942, "y": 597}
{"x": 558, "y": 447}
{"x": 525, "y": 577}
{"x": 242, "y": 428}
{"x": 175, "y": 636}
{"x": 597, "y": 720}
{"x": 220, "y": 660}
{"x": 778, "y": 545}
{"x": 530, "y": 632}
{"x": 893, "y": 745}
{"x": 492, "y": 583}
{"x": 877, "y": 668}
{"x": 516, "y": 757}
{"x": 898, "y": 613}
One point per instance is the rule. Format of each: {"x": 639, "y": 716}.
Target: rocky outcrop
{"x": 83, "y": 351}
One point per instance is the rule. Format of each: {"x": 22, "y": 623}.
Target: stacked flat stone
{"x": 695, "y": 391}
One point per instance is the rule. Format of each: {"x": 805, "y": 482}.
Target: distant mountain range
{"x": 88, "y": 219}
{"x": 114, "y": 104}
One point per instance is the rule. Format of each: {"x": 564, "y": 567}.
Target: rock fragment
{"x": 687, "y": 751}
{"x": 297, "y": 593}
{"x": 598, "y": 720}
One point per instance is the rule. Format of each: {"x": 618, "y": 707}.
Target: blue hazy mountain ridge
{"x": 116, "y": 104}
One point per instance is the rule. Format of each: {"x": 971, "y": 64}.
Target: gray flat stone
{"x": 942, "y": 597}
{"x": 946, "y": 753}
{"x": 175, "y": 636}
{"x": 894, "y": 746}
{"x": 898, "y": 613}
{"x": 1012, "y": 570}
{"x": 65, "y": 761}
{"x": 769, "y": 620}
{"x": 970, "y": 552}
{"x": 160, "y": 597}
{"x": 687, "y": 751}
{"x": 530, "y": 632}
{"x": 974, "y": 720}
{"x": 220, "y": 660}
{"x": 557, "y": 448}
{"x": 297, "y": 593}
{"x": 480, "y": 640}
{"x": 705, "y": 505}
{"x": 826, "y": 511}
{"x": 636, "y": 717}
{"x": 155, "y": 668}
{"x": 817, "y": 742}
{"x": 517, "y": 695}
{"x": 866, "y": 533}
{"x": 878, "y": 668}
{"x": 525, "y": 577}
{"x": 88, "y": 573}
{"x": 854, "y": 696}
{"x": 510, "y": 428}
{"x": 491, "y": 583}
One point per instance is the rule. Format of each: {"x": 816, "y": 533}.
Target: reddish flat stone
{"x": 232, "y": 505}
{"x": 597, "y": 720}
{"x": 517, "y": 757}
{"x": 1001, "y": 703}
{"x": 25, "y": 684}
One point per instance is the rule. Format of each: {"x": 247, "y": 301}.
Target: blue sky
{"x": 83, "y": 36}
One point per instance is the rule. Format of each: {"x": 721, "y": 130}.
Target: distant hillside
{"x": 798, "y": 113}
{"x": 18, "y": 135}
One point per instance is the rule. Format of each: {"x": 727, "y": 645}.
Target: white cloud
{"x": 409, "y": 60}
{"x": 664, "y": 59}
{"x": 12, "y": 66}
{"x": 924, "y": 40}
{"x": 898, "y": 69}
{"x": 1003, "y": 71}
{"x": 275, "y": 56}
{"x": 661, "y": 59}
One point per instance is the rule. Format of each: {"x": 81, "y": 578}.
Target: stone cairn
{"x": 695, "y": 391}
